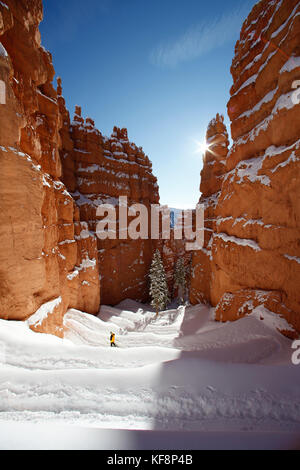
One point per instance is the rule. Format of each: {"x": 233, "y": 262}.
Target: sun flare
{"x": 202, "y": 147}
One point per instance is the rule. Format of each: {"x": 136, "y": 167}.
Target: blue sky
{"x": 161, "y": 68}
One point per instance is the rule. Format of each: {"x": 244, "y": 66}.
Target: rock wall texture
{"x": 214, "y": 169}
{"x": 54, "y": 175}
{"x": 97, "y": 170}
{"x": 254, "y": 247}
{"x": 46, "y": 251}
{"x": 55, "y": 172}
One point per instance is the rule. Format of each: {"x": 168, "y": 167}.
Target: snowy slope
{"x": 180, "y": 372}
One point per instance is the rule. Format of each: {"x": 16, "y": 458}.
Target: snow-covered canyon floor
{"x": 177, "y": 381}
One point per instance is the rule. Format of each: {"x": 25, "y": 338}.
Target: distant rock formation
{"x": 97, "y": 170}
{"x": 254, "y": 247}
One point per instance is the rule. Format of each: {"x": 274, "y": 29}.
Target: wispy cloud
{"x": 200, "y": 39}
{"x": 70, "y": 17}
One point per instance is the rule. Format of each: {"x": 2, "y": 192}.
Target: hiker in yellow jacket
{"x": 112, "y": 340}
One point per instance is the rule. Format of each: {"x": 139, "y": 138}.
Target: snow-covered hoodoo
{"x": 255, "y": 252}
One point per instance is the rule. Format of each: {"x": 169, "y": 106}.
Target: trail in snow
{"x": 180, "y": 371}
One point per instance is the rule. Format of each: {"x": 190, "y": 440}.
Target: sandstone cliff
{"x": 97, "y": 170}
{"x": 55, "y": 173}
{"x": 46, "y": 254}
{"x": 255, "y": 253}
{"x": 214, "y": 168}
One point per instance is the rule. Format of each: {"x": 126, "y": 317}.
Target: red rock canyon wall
{"x": 214, "y": 168}
{"x": 49, "y": 255}
{"x": 44, "y": 257}
{"x": 55, "y": 172}
{"x": 97, "y": 170}
{"x": 252, "y": 255}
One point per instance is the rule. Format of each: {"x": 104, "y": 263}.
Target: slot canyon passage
{"x": 222, "y": 362}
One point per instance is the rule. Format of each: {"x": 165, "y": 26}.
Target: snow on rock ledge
{"x": 48, "y": 318}
{"x": 97, "y": 170}
{"x": 254, "y": 224}
{"x": 234, "y": 306}
{"x": 211, "y": 182}
{"x": 3, "y": 52}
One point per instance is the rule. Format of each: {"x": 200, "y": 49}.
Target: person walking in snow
{"x": 112, "y": 340}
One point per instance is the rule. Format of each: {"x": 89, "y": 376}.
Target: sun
{"x": 202, "y": 147}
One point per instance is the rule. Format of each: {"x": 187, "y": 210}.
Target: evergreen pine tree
{"x": 159, "y": 291}
{"x": 180, "y": 279}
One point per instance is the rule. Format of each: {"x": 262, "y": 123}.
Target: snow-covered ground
{"x": 179, "y": 380}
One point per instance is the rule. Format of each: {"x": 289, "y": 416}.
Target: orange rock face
{"x": 214, "y": 168}
{"x": 54, "y": 175}
{"x": 44, "y": 254}
{"x": 97, "y": 170}
{"x": 255, "y": 239}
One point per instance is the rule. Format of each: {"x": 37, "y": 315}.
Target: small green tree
{"x": 159, "y": 291}
{"x": 180, "y": 279}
